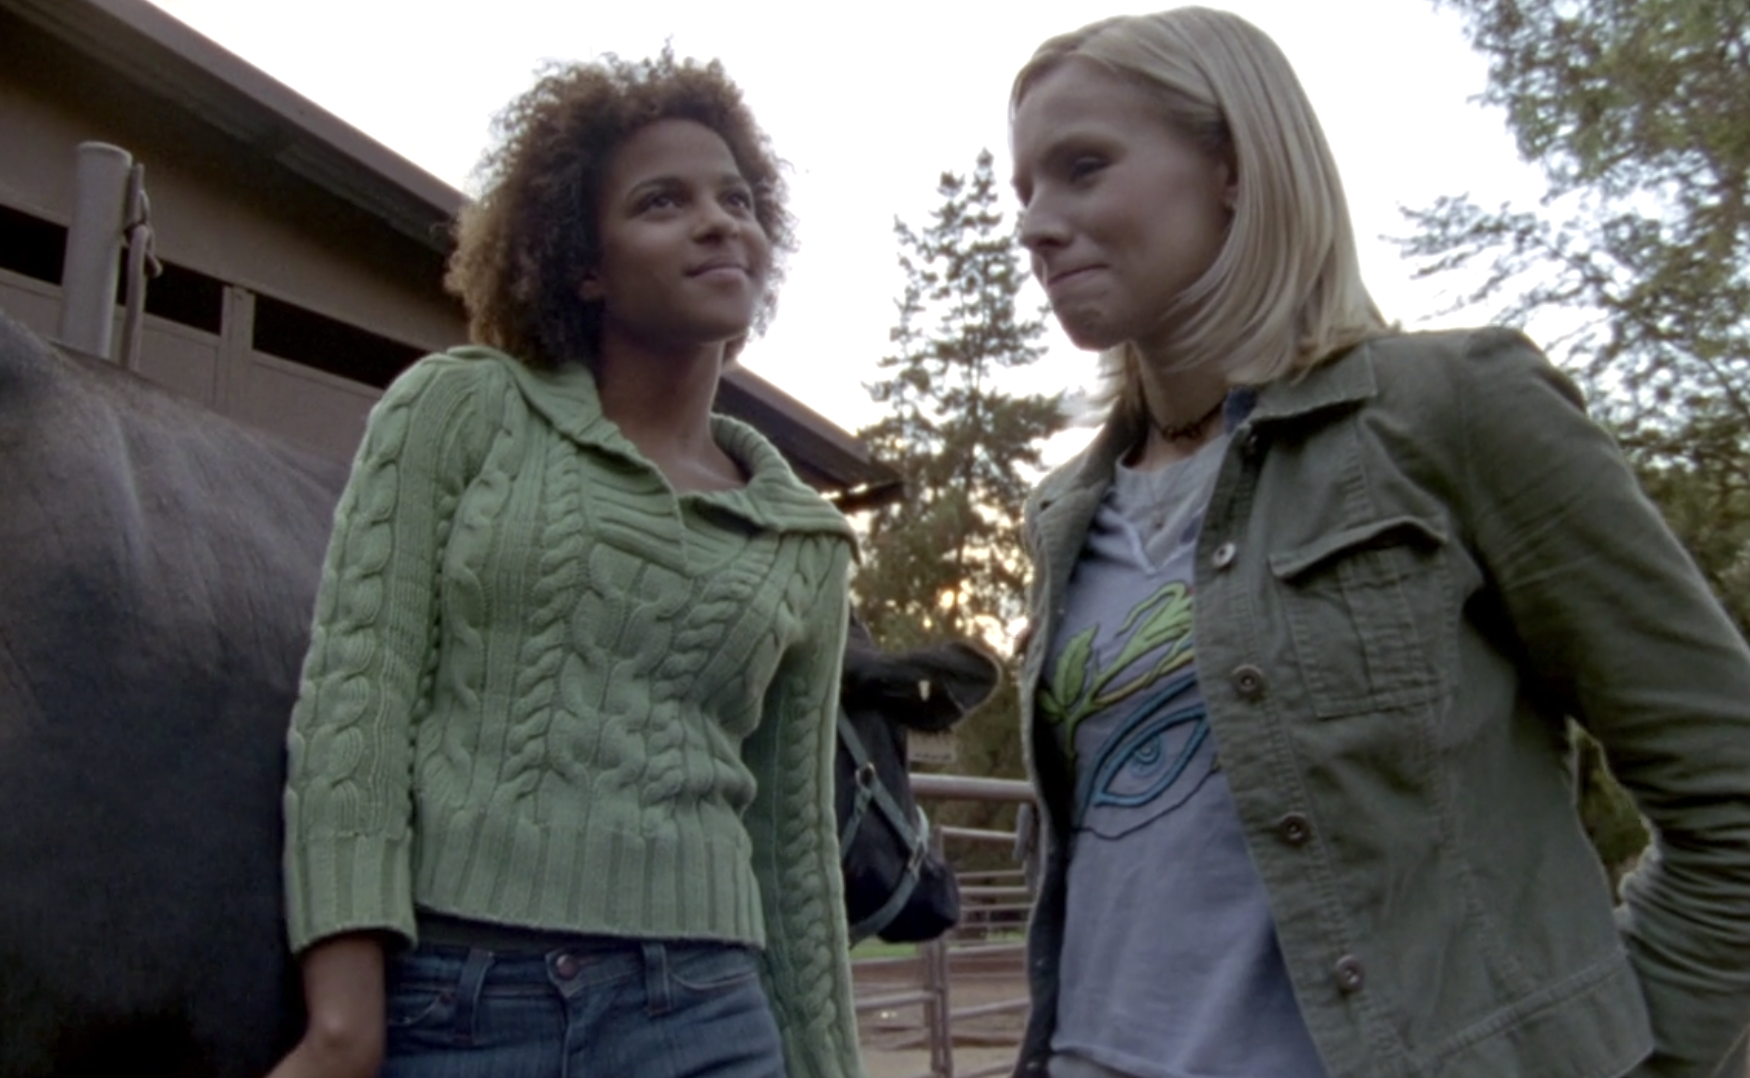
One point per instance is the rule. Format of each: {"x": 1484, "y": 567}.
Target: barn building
{"x": 302, "y": 261}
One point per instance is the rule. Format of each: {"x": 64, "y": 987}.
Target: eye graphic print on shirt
{"x": 1127, "y": 707}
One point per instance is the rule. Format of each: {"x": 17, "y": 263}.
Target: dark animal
{"x": 157, "y": 568}
{"x": 896, "y": 888}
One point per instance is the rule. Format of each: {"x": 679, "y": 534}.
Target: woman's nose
{"x": 717, "y": 219}
{"x": 1039, "y": 227}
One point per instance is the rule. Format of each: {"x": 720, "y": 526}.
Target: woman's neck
{"x": 661, "y": 401}
{"x": 1183, "y": 411}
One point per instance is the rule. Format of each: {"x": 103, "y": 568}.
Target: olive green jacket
{"x": 1418, "y": 560}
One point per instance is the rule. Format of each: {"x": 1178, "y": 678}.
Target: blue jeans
{"x": 608, "y": 1008}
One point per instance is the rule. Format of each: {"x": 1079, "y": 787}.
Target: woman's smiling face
{"x": 683, "y": 257}
{"x": 1121, "y": 213}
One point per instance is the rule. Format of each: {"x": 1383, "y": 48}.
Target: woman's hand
{"x": 343, "y": 993}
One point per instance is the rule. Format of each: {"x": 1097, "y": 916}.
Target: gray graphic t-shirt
{"x": 1170, "y": 965}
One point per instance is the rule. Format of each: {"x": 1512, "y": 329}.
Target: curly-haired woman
{"x": 560, "y": 793}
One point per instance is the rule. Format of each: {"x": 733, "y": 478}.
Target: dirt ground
{"x": 895, "y": 1063}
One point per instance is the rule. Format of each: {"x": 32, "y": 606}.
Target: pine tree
{"x": 947, "y": 562}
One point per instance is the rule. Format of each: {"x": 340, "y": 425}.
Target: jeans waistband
{"x": 445, "y": 930}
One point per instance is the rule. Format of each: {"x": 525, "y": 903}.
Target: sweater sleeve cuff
{"x": 352, "y": 883}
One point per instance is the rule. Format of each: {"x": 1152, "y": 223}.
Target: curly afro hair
{"x": 523, "y": 246}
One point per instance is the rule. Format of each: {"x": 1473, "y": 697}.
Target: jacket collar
{"x": 773, "y": 497}
{"x": 1068, "y": 497}
{"x": 1346, "y": 379}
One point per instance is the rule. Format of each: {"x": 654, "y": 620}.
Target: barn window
{"x": 31, "y": 246}
{"x": 303, "y": 336}
{"x": 184, "y": 295}
{"x": 35, "y": 248}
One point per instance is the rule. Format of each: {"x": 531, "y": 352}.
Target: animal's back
{"x": 157, "y": 569}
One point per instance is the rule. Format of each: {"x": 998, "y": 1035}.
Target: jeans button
{"x": 567, "y": 965}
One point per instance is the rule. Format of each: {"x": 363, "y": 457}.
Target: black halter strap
{"x": 915, "y": 836}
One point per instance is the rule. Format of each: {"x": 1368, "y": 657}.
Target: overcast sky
{"x": 869, "y": 103}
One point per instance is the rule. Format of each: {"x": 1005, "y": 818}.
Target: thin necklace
{"x": 1179, "y": 432}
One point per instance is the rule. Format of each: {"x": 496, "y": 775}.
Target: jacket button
{"x": 1294, "y": 829}
{"x": 1248, "y": 681}
{"x": 1349, "y": 973}
{"x": 1251, "y": 445}
{"x": 1224, "y": 555}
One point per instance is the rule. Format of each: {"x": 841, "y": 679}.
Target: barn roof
{"x": 156, "y": 53}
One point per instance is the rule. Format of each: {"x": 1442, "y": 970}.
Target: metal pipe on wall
{"x": 94, "y": 243}
{"x": 142, "y": 263}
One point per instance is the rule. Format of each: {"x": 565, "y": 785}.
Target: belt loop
{"x": 469, "y": 988}
{"x": 656, "y": 994}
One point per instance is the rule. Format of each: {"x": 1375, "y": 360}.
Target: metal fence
{"x": 909, "y": 1002}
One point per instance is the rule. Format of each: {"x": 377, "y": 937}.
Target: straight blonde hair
{"x": 1285, "y": 291}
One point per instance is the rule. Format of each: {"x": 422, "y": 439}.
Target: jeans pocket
{"x": 420, "y": 1006}
{"x": 430, "y": 995}
{"x": 707, "y": 969}
{"x": 709, "y": 1010}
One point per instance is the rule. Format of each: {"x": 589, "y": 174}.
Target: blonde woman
{"x": 1310, "y": 616}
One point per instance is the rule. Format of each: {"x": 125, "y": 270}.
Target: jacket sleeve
{"x": 806, "y": 963}
{"x": 1621, "y": 627}
{"x": 372, "y": 650}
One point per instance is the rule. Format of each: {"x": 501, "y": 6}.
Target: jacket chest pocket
{"x": 1368, "y": 607}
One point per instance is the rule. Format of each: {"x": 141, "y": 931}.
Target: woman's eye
{"x": 741, "y": 200}
{"x": 661, "y": 200}
{"x": 1083, "y": 167}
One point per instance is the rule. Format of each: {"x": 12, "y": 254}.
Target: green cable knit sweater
{"x": 544, "y": 690}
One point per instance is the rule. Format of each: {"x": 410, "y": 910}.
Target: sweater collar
{"x": 773, "y": 497}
